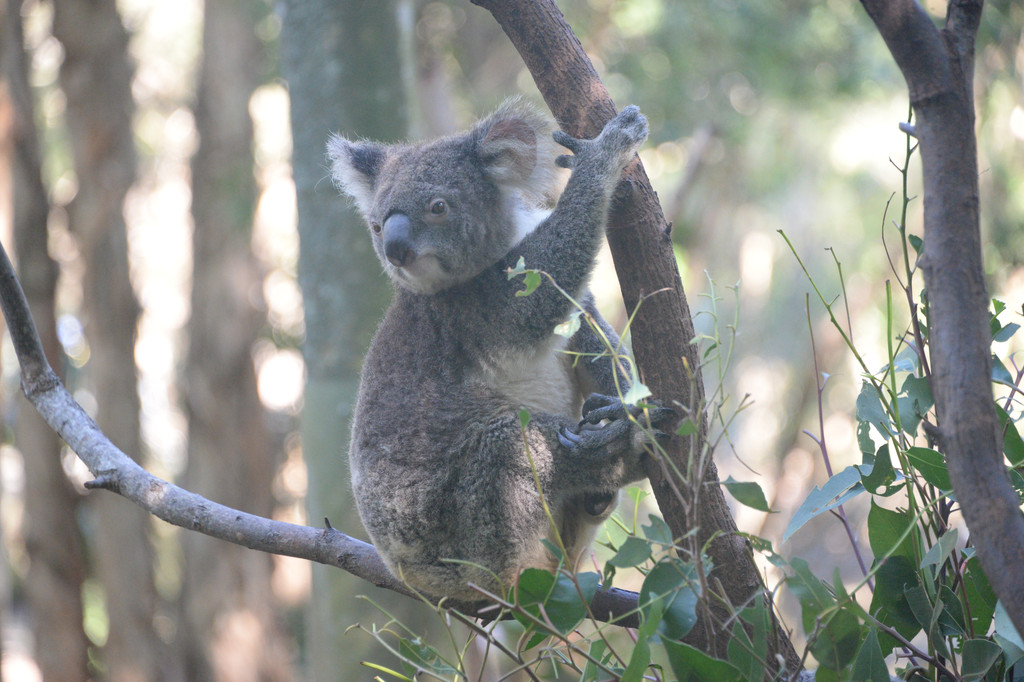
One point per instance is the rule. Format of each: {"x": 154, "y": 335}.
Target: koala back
{"x": 441, "y": 211}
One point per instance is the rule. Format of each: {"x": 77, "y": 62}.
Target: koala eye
{"x": 376, "y": 228}
{"x": 438, "y": 207}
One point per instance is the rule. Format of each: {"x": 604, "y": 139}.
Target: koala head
{"x": 441, "y": 211}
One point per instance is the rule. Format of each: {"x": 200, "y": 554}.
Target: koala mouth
{"x": 423, "y": 275}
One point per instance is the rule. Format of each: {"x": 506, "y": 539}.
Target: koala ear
{"x": 515, "y": 147}
{"x": 354, "y": 168}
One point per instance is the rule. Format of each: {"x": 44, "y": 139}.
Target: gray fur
{"x": 439, "y": 466}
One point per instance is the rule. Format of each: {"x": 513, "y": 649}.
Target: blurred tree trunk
{"x": 228, "y": 626}
{"x": 343, "y": 65}
{"x": 53, "y": 584}
{"x": 96, "y": 78}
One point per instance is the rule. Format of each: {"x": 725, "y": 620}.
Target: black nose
{"x": 397, "y": 241}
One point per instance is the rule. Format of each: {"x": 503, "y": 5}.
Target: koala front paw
{"x": 624, "y": 134}
{"x": 616, "y": 144}
{"x": 599, "y": 407}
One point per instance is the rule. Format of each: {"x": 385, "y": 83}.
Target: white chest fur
{"x": 539, "y": 379}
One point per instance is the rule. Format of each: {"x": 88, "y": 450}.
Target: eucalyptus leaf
{"x": 836, "y": 490}
{"x": 978, "y": 657}
{"x": 693, "y": 665}
{"x": 747, "y": 493}
{"x": 1013, "y": 446}
{"x": 633, "y": 552}
{"x": 940, "y": 551}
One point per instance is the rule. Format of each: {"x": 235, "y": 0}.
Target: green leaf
{"x": 524, "y": 418}
{"x": 916, "y": 242}
{"x": 558, "y": 594}
{"x": 658, "y": 531}
{"x": 749, "y": 651}
{"x": 693, "y": 665}
{"x": 686, "y": 428}
{"x": 927, "y": 616}
{"x": 640, "y": 657}
{"x": 835, "y": 629}
{"x": 835, "y": 491}
{"x": 596, "y": 653}
{"x": 867, "y": 446}
{"x": 951, "y": 620}
{"x": 673, "y": 584}
{"x": 940, "y": 551}
{"x": 1005, "y": 333}
{"x": 1013, "y": 446}
{"x": 747, "y": 493}
{"x": 417, "y": 655}
{"x": 870, "y": 663}
{"x": 870, "y": 409}
{"x": 895, "y": 534}
{"x": 978, "y": 657}
{"x": 633, "y": 552}
{"x": 877, "y": 470}
{"x": 914, "y": 403}
{"x": 637, "y": 392}
{"x": 1004, "y": 626}
{"x": 571, "y": 324}
{"x": 981, "y": 598}
{"x": 1011, "y": 654}
{"x": 1000, "y": 374}
{"x": 997, "y": 307}
{"x": 932, "y": 466}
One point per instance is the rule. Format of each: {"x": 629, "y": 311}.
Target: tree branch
{"x": 938, "y": 68}
{"x": 117, "y": 472}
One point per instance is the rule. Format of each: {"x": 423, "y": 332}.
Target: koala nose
{"x": 397, "y": 242}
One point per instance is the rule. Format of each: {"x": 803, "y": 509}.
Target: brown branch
{"x": 117, "y": 472}
{"x": 937, "y": 65}
{"x": 663, "y": 328}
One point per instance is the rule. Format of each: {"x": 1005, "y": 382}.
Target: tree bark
{"x": 96, "y": 79}
{"x": 229, "y": 628}
{"x": 53, "y": 584}
{"x": 938, "y": 65}
{"x": 662, "y": 330}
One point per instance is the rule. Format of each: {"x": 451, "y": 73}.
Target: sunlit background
{"x": 764, "y": 117}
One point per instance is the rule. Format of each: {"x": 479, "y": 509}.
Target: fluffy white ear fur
{"x": 354, "y": 168}
{"x": 516, "y": 144}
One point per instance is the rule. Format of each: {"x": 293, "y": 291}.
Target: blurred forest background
{"x": 162, "y": 159}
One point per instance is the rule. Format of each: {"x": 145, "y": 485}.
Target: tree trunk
{"x": 938, "y": 66}
{"x": 662, "y": 330}
{"x": 96, "y": 79}
{"x": 53, "y": 584}
{"x": 229, "y": 629}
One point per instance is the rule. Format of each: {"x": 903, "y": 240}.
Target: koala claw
{"x": 599, "y": 407}
{"x": 589, "y": 437}
{"x": 568, "y": 439}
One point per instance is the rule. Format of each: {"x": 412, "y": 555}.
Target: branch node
{"x": 103, "y": 482}
{"x": 327, "y": 524}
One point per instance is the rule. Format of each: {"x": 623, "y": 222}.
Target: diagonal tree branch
{"x": 117, "y": 472}
{"x": 938, "y": 66}
{"x": 661, "y": 331}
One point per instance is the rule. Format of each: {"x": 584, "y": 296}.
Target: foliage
{"x": 922, "y": 606}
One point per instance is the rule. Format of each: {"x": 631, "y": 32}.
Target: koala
{"x": 445, "y": 475}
